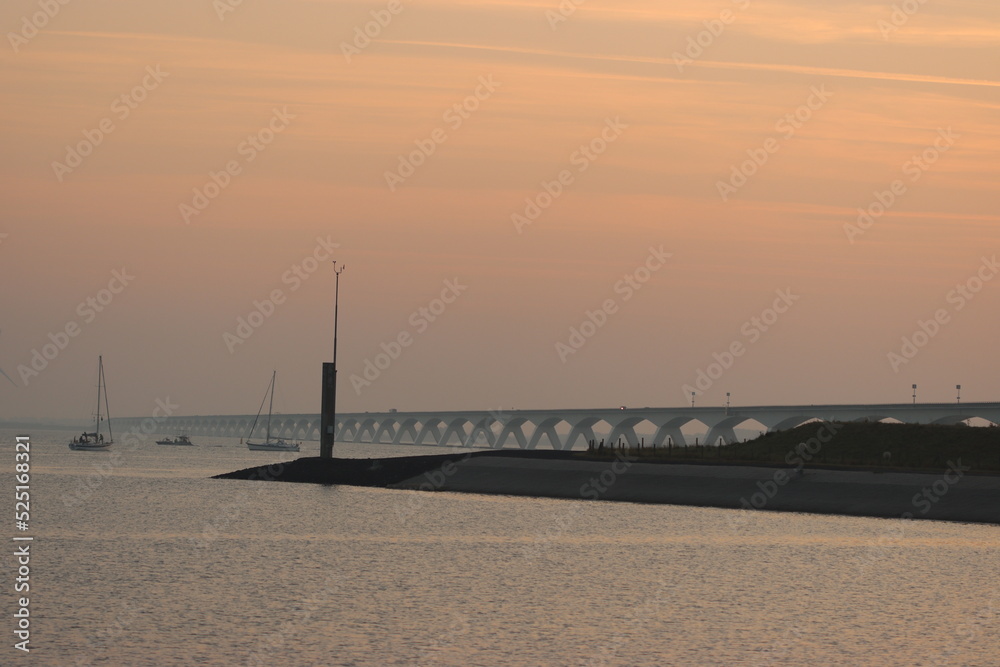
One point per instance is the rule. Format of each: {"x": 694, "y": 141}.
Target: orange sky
{"x": 309, "y": 119}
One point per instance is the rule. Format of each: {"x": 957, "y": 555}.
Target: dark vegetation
{"x": 850, "y": 445}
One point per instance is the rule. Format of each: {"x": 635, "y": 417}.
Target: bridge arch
{"x": 872, "y": 419}
{"x": 547, "y": 428}
{"x": 483, "y": 427}
{"x": 669, "y": 432}
{"x": 407, "y": 426}
{"x": 792, "y": 421}
{"x": 455, "y": 427}
{"x": 625, "y": 428}
{"x": 349, "y": 430}
{"x": 386, "y": 427}
{"x": 367, "y": 428}
{"x": 583, "y": 428}
{"x": 953, "y": 419}
{"x": 724, "y": 431}
{"x": 513, "y": 427}
{"x": 432, "y": 427}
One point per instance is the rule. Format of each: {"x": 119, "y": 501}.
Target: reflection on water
{"x": 157, "y": 565}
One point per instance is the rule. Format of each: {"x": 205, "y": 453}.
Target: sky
{"x": 536, "y": 204}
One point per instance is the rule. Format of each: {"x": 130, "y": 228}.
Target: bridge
{"x": 560, "y": 429}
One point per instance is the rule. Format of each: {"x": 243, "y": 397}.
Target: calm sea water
{"x": 140, "y": 559}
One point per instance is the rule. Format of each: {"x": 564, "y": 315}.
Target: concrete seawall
{"x": 952, "y": 495}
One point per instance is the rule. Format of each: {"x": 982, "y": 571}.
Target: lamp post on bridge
{"x": 958, "y": 394}
{"x": 914, "y": 394}
{"x": 328, "y": 401}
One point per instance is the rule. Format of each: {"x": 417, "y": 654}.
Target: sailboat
{"x": 269, "y": 445}
{"x": 95, "y": 441}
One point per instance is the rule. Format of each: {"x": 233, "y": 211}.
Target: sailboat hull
{"x": 279, "y": 446}
{"x": 90, "y": 446}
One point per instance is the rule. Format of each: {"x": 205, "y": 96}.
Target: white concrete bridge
{"x": 562, "y": 429}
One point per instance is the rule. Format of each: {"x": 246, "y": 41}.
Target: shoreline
{"x": 952, "y": 494}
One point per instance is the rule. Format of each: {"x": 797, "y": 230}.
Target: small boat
{"x": 179, "y": 440}
{"x": 95, "y": 441}
{"x": 269, "y": 444}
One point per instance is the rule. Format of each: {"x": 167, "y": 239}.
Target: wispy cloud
{"x": 713, "y": 64}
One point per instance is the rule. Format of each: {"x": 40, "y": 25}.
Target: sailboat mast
{"x": 100, "y": 371}
{"x": 269, "y": 406}
{"x": 107, "y": 408}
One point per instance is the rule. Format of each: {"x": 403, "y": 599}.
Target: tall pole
{"x": 914, "y": 394}
{"x": 336, "y": 308}
{"x": 328, "y": 411}
{"x": 958, "y": 397}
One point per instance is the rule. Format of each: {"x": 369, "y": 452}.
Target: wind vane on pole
{"x": 336, "y": 306}
{"x": 328, "y": 406}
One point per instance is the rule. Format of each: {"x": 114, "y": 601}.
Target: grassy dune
{"x": 851, "y": 444}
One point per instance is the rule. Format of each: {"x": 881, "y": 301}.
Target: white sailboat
{"x": 95, "y": 441}
{"x": 269, "y": 445}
